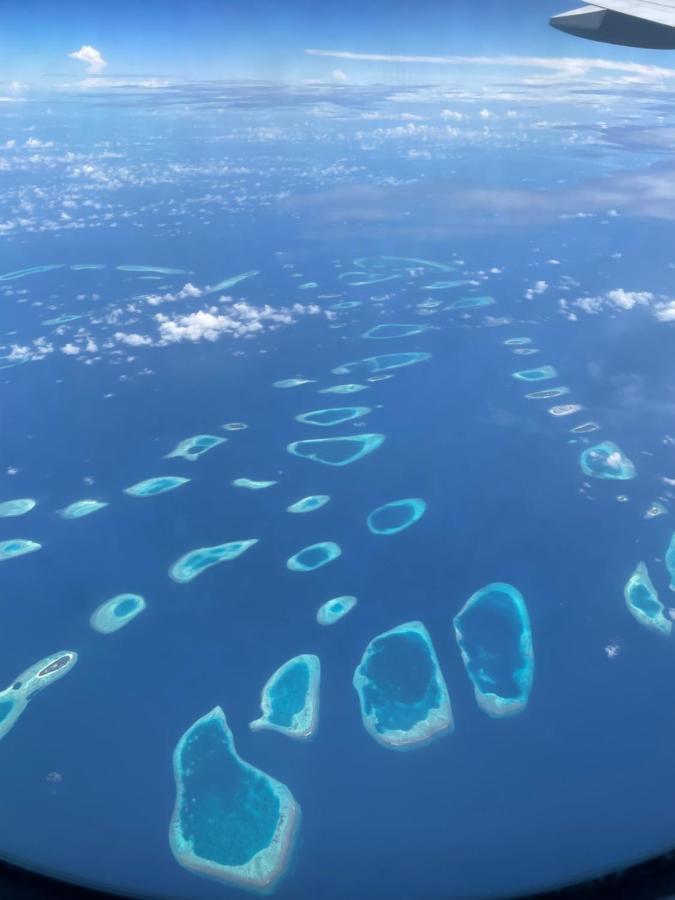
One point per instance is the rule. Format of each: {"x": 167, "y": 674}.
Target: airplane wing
{"x": 634, "y": 23}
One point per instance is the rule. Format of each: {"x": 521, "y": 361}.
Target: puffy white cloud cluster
{"x": 187, "y": 291}
{"x": 618, "y": 299}
{"x": 238, "y": 319}
{"x": 538, "y": 288}
{"x": 92, "y": 57}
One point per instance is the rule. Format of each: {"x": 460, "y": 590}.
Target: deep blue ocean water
{"x": 571, "y": 787}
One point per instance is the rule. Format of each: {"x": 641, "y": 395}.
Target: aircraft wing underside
{"x": 635, "y": 23}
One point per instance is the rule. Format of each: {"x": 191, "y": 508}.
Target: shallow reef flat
{"x": 565, "y": 409}
{"x": 292, "y": 382}
{"x": 344, "y": 389}
{"x": 345, "y": 304}
{"x": 197, "y": 561}
{"x": 517, "y": 342}
{"x": 606, "y": 460}
{"x": 193, "y": 447}
{"x": 335, "y": 415}
{"x": 337, "y": 451}
{"x": 543, "y": 373}
{"x": 403, "y": 696}
{"x": 231, "y": 821}
{"x": 393, "y": 330}
{"x": 495, "y": 640}
{"x": 116, "y": 613}
{"x": 153, "y": 486}
{"x": 670, "y": 561}
{"x": 406, "y": 262}
{"x": 11, "y": 508}
{"x": 235, "y": 426}
{"x": 444, "y": 285}
{"x": 381, "y": 363}
{"x": 333, "y": 610}
{"x": 314, "y": 556}
{"x": 158, "y": 270}
{"x": 396, "y": 516}
{"x": 308, "y": 504}
{"x": 31, "y": 270}
{"x": 252, "y": 485}
{"x": 470, "y": 302}
{"x": 81, "y": 508}
{"x": 17, "y": 547}
{"x": 290, "y": 699}
{"x": 230, "y": 282}
{"x": 14, "y": 699}
{"x": 643, "y": 602}
{"x": 585, "y": 428}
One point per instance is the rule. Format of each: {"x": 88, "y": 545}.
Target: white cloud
{"x": 339, "y": 75}
{"x": 92, "y": 57}
{"x": 618, "y": 299}
{"x": 70, "y": 349}
{"x": 539, "y": 288}
{"x": 188, "y": 290}
{"x": 132, "y": 340}
{"x": 665, "y": 312}
{"x": 239, "y": 320}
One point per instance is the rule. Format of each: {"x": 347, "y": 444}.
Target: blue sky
{"x": 266, "y": 39}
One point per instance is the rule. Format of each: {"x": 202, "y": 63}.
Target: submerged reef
{"x": 344, "y": 389}
{"x": 17, "y": 547}
{"x": 495, "y": 639}
{"x": 396, "y": 516}
{"x": 547, "y": 394}
{"x": 152, "y": 486}
{"x": 670, "y": 561}
{"x": 308, "y": 504}
{"x": 403, "y": 696}
{"x": 337, "y": 451}
{"x": 159, "y": 270}
{"x": 197, "y": 561}
{"x": 230, "y": 282}
{"x": 384, "y": 332}
{"x": 32, "y": 270}
{"x": 290, "y": 699}
{"x": 543, "y": 373}
{"x": 335, "y": 415}
{"x": 14, "y": 699}
{"x": 381, "y": 363}
{"x": 231, "y": 821}
{"x": 585, "y": 428}
{"x": 469, "y": 302}
{"x": 292, "y": 382}
{"x": 234, "y": 426}
{"x": 333, "y": 610}
{"x": 116, "y": 613}
{"x": 11, "y": 508}
{"x": 193, "y": 447}
{"x": 565, "y": 409}
{"x": 81, "y": 508}
{"x": 643, "y": 602}
{"x": 517, "y": 342}
{"x": 251, "y": 484}
{"x": 314, "y": 556}
{"x": 606, "y": 460}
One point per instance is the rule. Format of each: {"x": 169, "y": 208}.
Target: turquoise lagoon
{"x": 308, "y": 504}
{"x": 337, "y": 451}
{"x": 335, "y": 415}
{"x": 643, "y": 601}
{"x": 396, "y": 516}
{"x": 290, "y": 699}
{"x": 333, "y": 610}
{"x": 153, "y": 486}
{"x": 116, "y": 613}
{"x": 193, "y": 447}
{"x": 197, "y": 561}
{"x": 314, "y": 556}
{"x": 606, "y": 460}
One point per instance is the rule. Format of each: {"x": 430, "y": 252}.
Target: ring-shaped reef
{"x": 289, "y": 701}
{"x": 231, "y": 821}
{"x": 116, "y": 613}
{"x": 548, "y": 394}
{"x": 344, "y": 389}
{"x": 495, "y": 640}
{"x": 382, "y": 363}
{"x": 308, "y": 504}
{"x": 235, "y": 426}
{"x": 393, "y": 330}
{"x": 14, "y": 699}
{"x": 333, "y": 610}
{"x": 292, "y": 382}
{"x": 517, "y": 342}
{"x": 396, "y": 516}
{"x": 543, "y": 373}
{"x": 643, "y": 602}
{"x": 335, "y": 415}
{"x": 403, "y": 696}
{"x": 585, "y": 428}
{"x": 17, "y": 547}
{"x": 251, "y": 484}
{"x": 337, "y": 451}
{"x": 670, "y": 561}
{"x": 313, "y": 557}
{"x": 380, "y": 262}
{"x": 525, "y": 351}
{"x": 11, "y": 508}
{"x": 197, "y": 561}
{"x": 152, "y": 486}
{"x": 345, "y": 304}
{"x": 606, "y": 460}
{"x": 565, "y": 409}
{"x": 470, "y": 302}
{"x": 81, "y": 508}
{"x": 193, "y": 447}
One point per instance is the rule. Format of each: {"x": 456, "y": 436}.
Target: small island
{"x": 403, "y": 696}
{"x": 308, "y": 504}
{"x": 314, "y": 556}
{"x": 337, "y": 451}
{"x": 231, "y": 821}
{"x": 11, "y": 508}
{"x": 194, "y": 447}
{"x": 14, "y": 699}
{"x": 495, "y": 640}
{"x": 606, "y": 460}
{"x": 336, "y": 415}
{"x": 643, "y": 602}
{"x": 197, "y": 561}
{"x": 290, "y": 699}
{"x": 292, "y": 382}
{"x": 396, "y": 516}
{"x": 251, "y": 484}
{"x": 17, "y": 547}
{"x": 81, "y": 508}
{"x": 116, "y": 613}
{"x": 334, "y": 610}
{"x": 152, "y": 486}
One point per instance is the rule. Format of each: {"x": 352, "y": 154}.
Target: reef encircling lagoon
{"x": 337, "y": 451}
{"x": 231, "y": 821}
{"x": 333, "y": 610}
{"x": 495, "y": 640}
{"x": 17, "y": 547}
{"x": 197, "y": 561}
{"x": 314, "y": 556}
{"x": 470, "y": 302}
{"x": 403, "y": 696}
{"x": 606, "y": 460}
{"x": 11, "y": 508}
{"x": 344, "y": 389}
{"x": 392, "y": 330}
{"x": 290, "y": 699}
{"x": 335, "y": 415}
{"x": 308, "y": 504}
{"x": 543, "y": 373}
{"x": 116, "y": 613}
{"x": 193, "y": 447}
{"x": 382, "y": 363}
{"x": 152, "y": 486}
{"x": 643, "y": 602}
{"x": 14, "y": 699}
{"x": 81, "y": 508}
{"x": 396, "y": 516}
{"x": 548, "y": 394}
{"x": 251, "y": 484}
